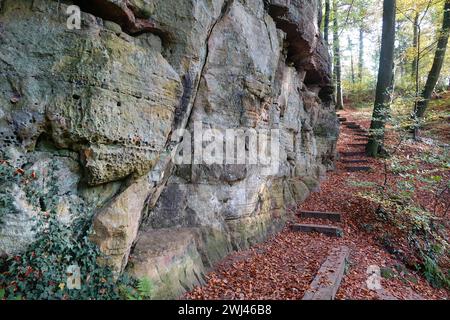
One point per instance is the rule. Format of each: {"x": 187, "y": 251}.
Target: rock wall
{"x": 95, "y": 113}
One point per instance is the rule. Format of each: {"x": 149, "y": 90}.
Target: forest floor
{"x": 284, "y": 266}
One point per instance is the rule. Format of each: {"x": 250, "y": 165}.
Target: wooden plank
{"x": 359, "y": 130}
{"x": 328, "y": 279}
{"x": 354, "y": 126}
{"x": 357, "y": 144}
{"x": 353, "y": 154}
{"x": 328, "y": 230}
{"x": 332, "y": 216}
{"x": 355, "y": 160}
{"x": 358, "y": 169}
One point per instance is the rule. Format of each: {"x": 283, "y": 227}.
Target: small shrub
{"x": 387, "y": 273}
{"x": 8, "y": 176}
{"x": 397, "y": 206}
{"x": 139, "y": 290}
{"x": 41, "y": 271}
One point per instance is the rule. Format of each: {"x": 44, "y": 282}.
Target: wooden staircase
{"x": 362, "y": 135}
{"x": 326, "y": 229}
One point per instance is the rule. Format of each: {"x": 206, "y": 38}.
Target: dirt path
{"x": 284, "y": 266}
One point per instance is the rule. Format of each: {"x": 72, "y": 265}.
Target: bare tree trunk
{"x": 326, "y": 26}
{"x": 352, "y": 67}
{"x": 337, "y": 59}
{"x": 415, "y": 43}
{"x": 438, "y": 61}
{"x": 417, "y": 82}
{"x": 361, "y": 53}
{"x": 384, "y": 83}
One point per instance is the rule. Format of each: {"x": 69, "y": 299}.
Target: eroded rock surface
{"x": 99, "y": 108}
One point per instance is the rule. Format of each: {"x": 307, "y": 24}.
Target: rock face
{"x": 101, "y": 109}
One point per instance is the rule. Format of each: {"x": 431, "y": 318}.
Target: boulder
{"x": 169, "y": 258}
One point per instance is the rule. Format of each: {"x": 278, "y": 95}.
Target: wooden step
{"x": 332, "y": 216}
{"x": 353, "y": 154}
{"x": 355, "y": 160}
{"x": 328, "y": 279}
{"x": 352, "y": 126}
{"x": 328, "y": 230}
{"x": 357, "y": 144}
{"x": 356, "y": 129}
{"x": 358, "y": 169}
{"x": 359, "y": 130}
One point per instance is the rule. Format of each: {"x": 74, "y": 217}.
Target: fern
{"x": 145, "y": 287}
{"x": 141, "y": 290}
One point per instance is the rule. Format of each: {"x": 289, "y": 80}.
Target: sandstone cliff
{"x": 94, "y": 113}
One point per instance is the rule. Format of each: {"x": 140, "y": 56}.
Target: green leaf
{"x": 145, "y": 287}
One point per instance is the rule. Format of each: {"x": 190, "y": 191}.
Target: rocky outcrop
{"x": 305, "y": 47}
{"x": 103, "y": 106}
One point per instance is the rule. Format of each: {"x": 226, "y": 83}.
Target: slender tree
{"x": 352, "y": 67}
{"x": 403, "y": 43}
{"x": 326, "y": 25}
{"x": 384, "y": 82}
{"x": 415, "y": 44}
{"x": 438, "y": 61}
{"x": 337, "y": 59}
{"x": 361, "y": 52}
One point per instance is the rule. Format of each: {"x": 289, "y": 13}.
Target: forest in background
{"x": 392, "y": 73}
{"x": 353, "y": 31}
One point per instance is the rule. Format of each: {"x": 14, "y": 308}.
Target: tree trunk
{"x": 438, "y": 61}
{"x": 326, "y": 24}
{"x": 361, "y": 53}
{"x": 352, "y": 67}
{"x": 337, "y": 59}
{"x": 384, "y": 82}
{"x": 320, "y": 14}
{"x": 415, "y": 43}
